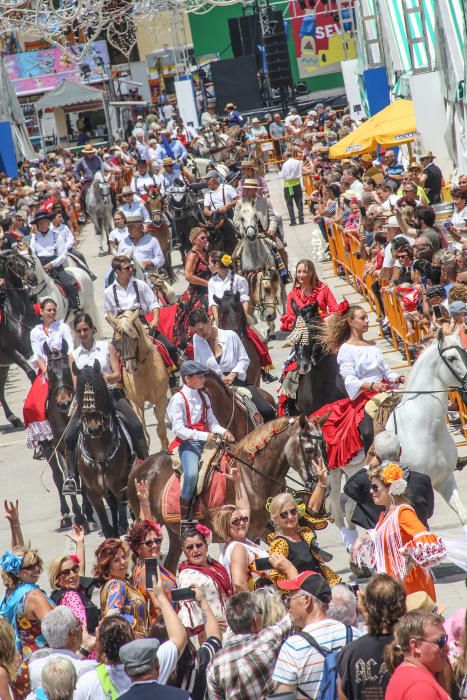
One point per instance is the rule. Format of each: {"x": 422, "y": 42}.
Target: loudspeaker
{"x": 244, "y": 34}
{"x": 235, "y": 80}
{"x": 277, "y": 53}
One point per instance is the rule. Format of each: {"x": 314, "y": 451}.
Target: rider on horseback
{"x": 50, "y": 248}
{"x": 143, "y": 180}
{"x": 219, "y": 201}
{"x": 104, "y": 352}
{"x": 84, "y": 170}
{"x": 193, "y": 423}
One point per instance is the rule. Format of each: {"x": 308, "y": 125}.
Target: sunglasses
{"x": 440, "y": 642}
{"x": 127, "y": 267}
{"x": 195, "y": 545}
{"x": 36, "y": 565}
{"x": 238, "y": 521}
{"x": 151, "y": 543}
{"x": 374, "y": 488}
{"x": 285, "y": 514}
{"x": 66, "y": 572}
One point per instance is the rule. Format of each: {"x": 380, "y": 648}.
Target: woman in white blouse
{"x": 51, "y": 333}
{"x": 223, "y": 352}
{"x": 223, "y": 280}
{"x": 365, "y": 373}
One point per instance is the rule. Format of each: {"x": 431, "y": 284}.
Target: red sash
{"x": 264, "y": 356}
{"x": 200, "y": 425}
{"x": 34, "y": 409}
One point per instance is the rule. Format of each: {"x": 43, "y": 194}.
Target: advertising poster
{"x": 40, "y": 71}
{"x": 319, "y": 35}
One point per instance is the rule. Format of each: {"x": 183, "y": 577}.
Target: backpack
{"x": 328, "y": 685}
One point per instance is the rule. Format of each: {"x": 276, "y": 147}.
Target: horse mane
{"x": 218, "y": 381}
{"x": 233, "y": 311}
{"x": 260, "y": 437}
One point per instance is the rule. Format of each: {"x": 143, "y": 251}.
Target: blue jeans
{"x": 190, "y": 452}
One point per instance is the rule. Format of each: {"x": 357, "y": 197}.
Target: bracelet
{"x": 83, "y": 651}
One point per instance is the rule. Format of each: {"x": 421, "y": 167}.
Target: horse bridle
{"x": 262, "y": 304}
{"x": 61, "y": 387}
{"x": 28, "y": 263}
{"x": 463, "y": 353}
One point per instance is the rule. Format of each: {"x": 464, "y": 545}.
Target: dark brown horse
{"x": 229, "y": 411}
{"x": 160, "y": 227}
{"x": 272, "y": 449}
{"x": 103, "y": 455}
{"x": 232, "y": 317}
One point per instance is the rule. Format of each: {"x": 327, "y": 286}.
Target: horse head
{"x": 101, "y": 182}
{"x": 178, "y": 195}
{"x": 264, "y": 292}
{"x": 18, "y": 270}
{"x": 61, "y": 388}
{"x": 305, "y": 447}
{"x": 454, "y": 360}
{"x": 92, "y": 395}
{"x": 248, "y": 220}
{"x": 305, "y": 337}
{"x": 128, "y": 337}
{"x": 231, "y": 313}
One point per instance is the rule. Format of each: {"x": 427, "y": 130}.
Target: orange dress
{"x": 401, "y": 546}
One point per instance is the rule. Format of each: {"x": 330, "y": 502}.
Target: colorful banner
{"x": 41, "y": 71}
{"x": 319, "y": 37}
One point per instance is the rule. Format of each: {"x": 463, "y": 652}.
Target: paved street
{"x": 31, "y": 481}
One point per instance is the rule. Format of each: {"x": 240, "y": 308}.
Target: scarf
{"x": 216, "y": 572}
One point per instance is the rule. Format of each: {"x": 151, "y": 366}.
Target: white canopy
{"x": 69, "y": 93}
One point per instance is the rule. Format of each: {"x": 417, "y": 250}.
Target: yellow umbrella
{"x": 392, "y": 126}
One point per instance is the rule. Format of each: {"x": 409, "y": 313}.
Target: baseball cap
{"x": 457, "y": 308}
{"x": 139, "y": 655}
{"x": 310, "y": 582}
{"x": 212, "y": 175}
{"x": 191, "y": 367}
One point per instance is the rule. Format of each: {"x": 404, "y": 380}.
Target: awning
{"x": 69, "y": 93}
{"x": 392, "y": 126}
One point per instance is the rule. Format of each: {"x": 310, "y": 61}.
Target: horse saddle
{"x": 209, "y": 463}
{"x": 211, "y": 489}
{"x": 243, "y": 395}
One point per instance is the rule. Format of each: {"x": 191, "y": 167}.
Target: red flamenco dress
{"x": 194, "y": 297}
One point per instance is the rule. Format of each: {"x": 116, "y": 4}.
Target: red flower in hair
{"x": 203, "y": 530}
{"x": 37, "y": 309}
{"x": 75, "y": 558}
{"x": 155, "y": 526}
{"x": 343, "y": 307}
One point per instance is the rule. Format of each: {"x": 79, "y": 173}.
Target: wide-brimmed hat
{"x": 420, "y": 600}
{"x": 415, "y": 166}
{"x": 167, "y": 161}
{"x": 41, "y": 215}
{"x": 135, "y": 218}
{"x": 88, "y": 148}
{"x": 230, "y": 105}
{"x": 250, "y": 183}
{"x": 247, "y": 164}
{"x": 428, "y": 154}
{"x": 127, "y": 190}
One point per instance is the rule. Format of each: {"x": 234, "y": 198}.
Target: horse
{"x": 46, "y": 287}
{"x": 17, "y": 319}
{"x": 232, "y": 317}
{"x": 99, "y": 207}
{"x": 186, "y": 213}
{"x": 319, "y": 380}
{"x": 264, "y": 290}
{"x": 160, "y": 227}
{"x": 419, "y": 421}
{"x": 267, "y": 454}
{"x": 59, "y": 398}
{"x": 199, "y": 166}
{"x": 229, "y": 411}
{"x": 158, "y": 280}
{"x": 145, "y": 377}
{"x": 103, "y": 456}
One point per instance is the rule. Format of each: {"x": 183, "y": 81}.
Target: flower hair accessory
{"x": 75, "y": 558}
{"x": 393, "y": 476}
{"x": 155, "y": 526}
{"x": 226, "y": 260}
{"x": 343, "y": 307}
{"x": 37, "y": 309}
{"x": 204, "y": 531}
{"x": 11, "y": 562}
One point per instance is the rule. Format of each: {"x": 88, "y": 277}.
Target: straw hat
{"x": 251, "y": 184}
{"x": 422, "y": 601}
{"x": 167, "y": 161}
{"x": 428, "y": 154}
{"x": 89, "y": 148}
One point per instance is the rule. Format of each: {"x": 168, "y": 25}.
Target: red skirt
{"x": 34, "y": 409}
{"x": 261, "y": 349}
{"x": 340, "y": 430}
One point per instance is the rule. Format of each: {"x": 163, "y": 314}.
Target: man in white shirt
{"x": 220, "y": 198}
{"x": 193, "y": 423}
{"x": 291, "y": 173}
{"x": 143, "y": 180}
{"x": 67, "y": 235}
{"x": 300, "y": 664}
{"x": 64, "y": 635}
{"x": 170, "y": 176}
{"x": 208, "y": 117}
{"x": 145, "y": 248}
{"x": 50, "y": 248}
{"x": 132, "y": 204}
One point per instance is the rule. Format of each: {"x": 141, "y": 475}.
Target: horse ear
{"x": 237, "y": 296}
{"x": 321, "y": 421}
{"x": 314, "y": 308}
{"x": 441, "y": 337}
{"x": 96, "y": 366}
{"x": 217, "y": 299}
{"x": 64, "y": 347}
{"x": 46, "y": 350}
{"x": 294, "y": 306}
{"x": 303, "y": 422}
{"x": 111, "y": 321}
{"x": 74, "y": 369}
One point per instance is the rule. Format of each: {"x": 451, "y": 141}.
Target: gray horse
{"x": 99, "y": 208}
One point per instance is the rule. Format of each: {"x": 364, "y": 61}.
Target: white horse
{"x": 419, "y": 421}
{"x": 45, "y": 287}
{"x": 158, "y": 280}
{"x": 99, "y": 207}
{"x": 200, "y": 166}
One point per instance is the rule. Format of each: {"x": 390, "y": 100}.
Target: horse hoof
{"x": 15, "y": 422}
{"x": 65, "y": 522}
{"x": 358, "y": 572}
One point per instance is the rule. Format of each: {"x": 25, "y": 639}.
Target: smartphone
{"x": 437, "y": 311}
{"x": 183, "y": 594}
{"x": 363, "y": 211}
{"x": 263, "y": 564}
{"x": 448, "y": 224}
{"x": 151, "y": 570}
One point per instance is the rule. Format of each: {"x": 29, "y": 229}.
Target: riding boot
{"x": 186, "y": 505}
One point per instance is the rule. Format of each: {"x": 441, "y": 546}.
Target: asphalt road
{"x": 31, "y": 481}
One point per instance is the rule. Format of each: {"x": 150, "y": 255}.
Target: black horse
{"x": 104, "y": 459}
{"x": 186, "y": 213}
{"x": 232, "y": 317}
{"x": 319, "y": 380}
{"x": 17, "y": 319}
{"x": 59, "y": 399}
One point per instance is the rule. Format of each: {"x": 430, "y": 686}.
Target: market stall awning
{"x": 69, "y": 93}
{"x": 392, "y": 126}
